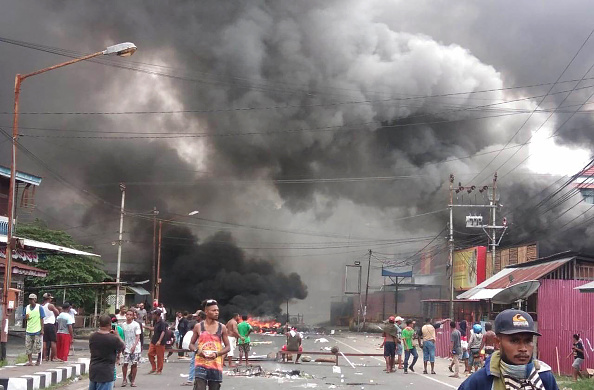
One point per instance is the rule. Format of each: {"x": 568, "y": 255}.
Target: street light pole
{"x": 120, "y": 238}
{"x": 124, "y": 50}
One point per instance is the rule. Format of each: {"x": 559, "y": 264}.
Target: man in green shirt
{"x": 409, "y": 349}
{"x": 34, "y": 315}
{"x": 244, "y": 329}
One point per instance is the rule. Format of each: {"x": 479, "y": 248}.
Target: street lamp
{"x": 125, "y": 49}
{"x": 158, "y": 279}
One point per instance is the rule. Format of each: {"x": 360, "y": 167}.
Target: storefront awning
{"x": 138, "y": 290}
{"x": 49, "y": 247}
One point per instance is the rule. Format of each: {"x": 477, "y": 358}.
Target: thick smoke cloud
{"x": 334, "y": 87}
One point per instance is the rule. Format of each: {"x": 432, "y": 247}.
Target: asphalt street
{"x": 367, "y": 372}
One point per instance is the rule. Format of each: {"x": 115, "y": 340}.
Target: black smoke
{"x": 333, "y": 88}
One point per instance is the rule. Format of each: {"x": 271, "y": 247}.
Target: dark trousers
{"x": 407, "y": 354}
{"x": 201, "y": 384}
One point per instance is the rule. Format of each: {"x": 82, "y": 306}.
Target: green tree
{"x": 63, "y": 268}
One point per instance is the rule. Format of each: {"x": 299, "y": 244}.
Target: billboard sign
{"x": 469, "y": 267}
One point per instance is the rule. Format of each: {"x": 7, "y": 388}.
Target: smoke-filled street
{"x": 419, "y": 171}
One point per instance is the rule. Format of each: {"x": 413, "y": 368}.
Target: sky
{"x": 305, "y": 133}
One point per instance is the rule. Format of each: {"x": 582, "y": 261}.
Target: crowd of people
{"x": 501, "y": 356}
{"x": 208, "y": 342}
{"x": 49, "y": 331}
{"x": 497, "y": 356}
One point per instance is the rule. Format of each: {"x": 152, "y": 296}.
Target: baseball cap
{"x": 398, "y": 318}
{"x": 391, "y": 319}
{"x": 514, "y": 321}
{"x": 32, "y": 296}
{"x": 157, "y": 311}
{"x": 47, "y": 295}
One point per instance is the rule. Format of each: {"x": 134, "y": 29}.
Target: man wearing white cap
{"x": 34, "y": 315}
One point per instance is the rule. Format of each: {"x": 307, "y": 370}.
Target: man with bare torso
{"x": 489, "y": 343}
{"x": 233, "y": 337}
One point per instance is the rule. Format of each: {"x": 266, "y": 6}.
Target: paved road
{"x": 366, "y": 374}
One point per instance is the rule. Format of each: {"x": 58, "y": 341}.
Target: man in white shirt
{"x": 133, "y": 348}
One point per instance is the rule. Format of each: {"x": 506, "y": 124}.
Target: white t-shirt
{"x": 187, "y": 339}
{"x": 121, "y": 318}
{"x": 131, "y": 330}
{"x": 50, "y": 317}
{"x": 163, "y": 313}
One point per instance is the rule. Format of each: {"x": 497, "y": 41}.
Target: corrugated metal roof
{"x": 476, "y": 290}
{"x": 138, "y": 290}
{"x": 588, "y": 287}
{"x": 522, "y": 274}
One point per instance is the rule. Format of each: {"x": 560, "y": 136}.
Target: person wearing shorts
{"x": 233, "y": 337}
{"x": 34, "y": 315}
{"x": 427, "y": 338}
{"x": 244, "y": 329}
{"x": 391, "y": 340}
{"x": 578, "y": 355}
{"x": 132, "y": 349}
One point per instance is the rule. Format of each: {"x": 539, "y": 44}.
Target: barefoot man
{"x": 211, "y": 343}
{"x": 233, "y": 337}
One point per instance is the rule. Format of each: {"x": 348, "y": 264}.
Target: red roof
{"x": 523, "y": 274}
{"x": 27, "y": 269}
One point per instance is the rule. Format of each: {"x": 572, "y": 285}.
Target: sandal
{"x": 132, "y": 384}
{"x": 187, "y": 384}
{"x": 124, "y": 384}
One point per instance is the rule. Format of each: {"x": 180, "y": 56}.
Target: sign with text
{"x": 469, "y": 267}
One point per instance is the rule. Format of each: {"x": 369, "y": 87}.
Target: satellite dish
{"x": 517, "y": 292}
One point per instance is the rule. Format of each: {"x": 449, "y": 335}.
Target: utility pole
{"x": 493, "y": 224}
{"x": 154, "y": 267}
{"x": 366, "y": 291}
{"x": 158, "y": 284}
{"x": 474, "y": 221}
{"x": 451, "y": 246}
{"x": 120, "y": 239}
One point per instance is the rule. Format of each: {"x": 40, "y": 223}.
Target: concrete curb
{"x": 46, "y": 378}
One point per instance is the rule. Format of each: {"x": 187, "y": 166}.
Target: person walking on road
{"x": 65, "y": 333}
{"x": 233, "y": 337}
{"x": 132, "y": 350}
{"x": 474, "y": 346}
{"x": 157, "y": 345}
{"x": 391, "y": 340}
{"x": 105, "y": 347}
{"x": 427, "y": 341}
{"x": 513, "y": 366}
{"x": 456, "y": 350}
{"x": 578, "y": 355}
{"x": 183, "y": 328}
{"x": 34, "y": 315}
{"x": 409, "y": 349}
{"x": 211, "y": 343}
{"x": 244, "y": 329}
{"x": 49, "y": 328}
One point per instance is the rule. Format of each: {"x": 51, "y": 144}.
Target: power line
{"x": 543, "y": 98}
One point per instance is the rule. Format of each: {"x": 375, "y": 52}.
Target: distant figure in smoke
{"x": 211, "y": 343}
{"x": 233, "y": 337}
{"x": 244, "y": 329}
{"x": 293, "y": 344}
